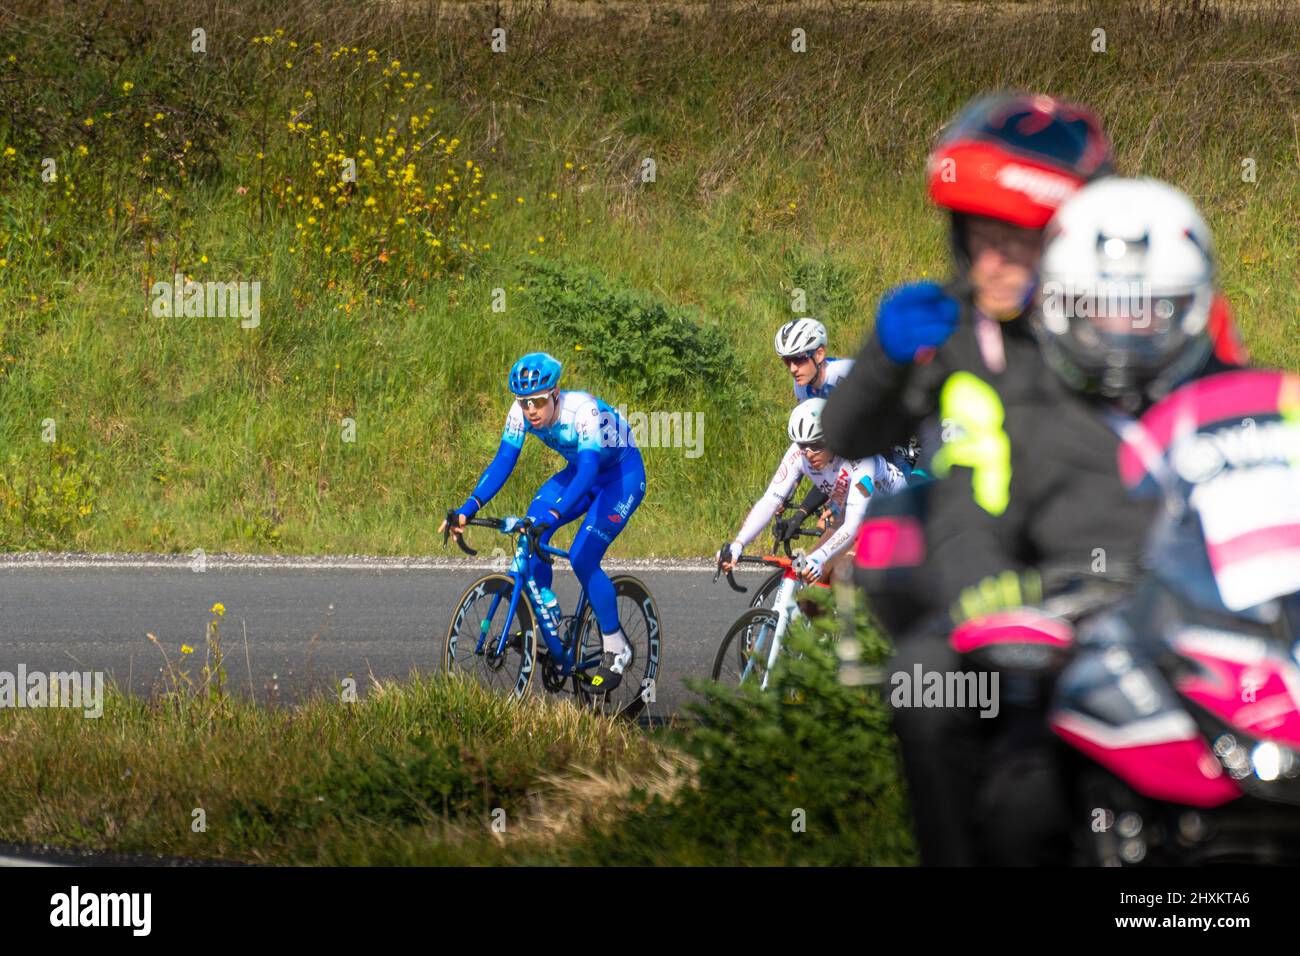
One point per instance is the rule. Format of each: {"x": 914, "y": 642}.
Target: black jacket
{"x": 1067, "y": 516}
{"x": 880, "y": 403}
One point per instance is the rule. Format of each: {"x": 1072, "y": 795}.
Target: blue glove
{"x": 912, "y": 317}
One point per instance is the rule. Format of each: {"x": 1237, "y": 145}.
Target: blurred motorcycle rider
{"x": 949, "y": 359}
{"x": 1127, "y": 310}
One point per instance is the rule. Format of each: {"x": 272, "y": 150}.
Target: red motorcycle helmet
{"x": 1014, "y": 157}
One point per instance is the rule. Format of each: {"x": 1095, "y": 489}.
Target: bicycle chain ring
{"x": 551, "y": 678}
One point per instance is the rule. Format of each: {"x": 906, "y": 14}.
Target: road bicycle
{"x": 494, "y": 631}
{"x": 751, "y": 646}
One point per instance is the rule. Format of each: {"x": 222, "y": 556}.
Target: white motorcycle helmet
{"x": 806, "y": 421}
{"x": 800, "y": 337}
{"x": 1126, "y": 284}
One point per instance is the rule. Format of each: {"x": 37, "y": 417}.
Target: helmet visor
{"x": 1117, "y": 324}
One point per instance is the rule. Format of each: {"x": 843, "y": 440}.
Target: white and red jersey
{"x": 850, "y": 486}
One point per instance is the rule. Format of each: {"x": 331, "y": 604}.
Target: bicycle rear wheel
{"x": 742, "y": 655}
{"x": 482, "y": 610}
{"x": 639, "y": 616}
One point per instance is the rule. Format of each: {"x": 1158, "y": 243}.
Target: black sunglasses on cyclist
{"x": 801, "y": 358}
{"x": 534, "y": 401}
{"x": 811, "y": 445}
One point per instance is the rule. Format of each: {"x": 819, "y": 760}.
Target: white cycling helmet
{"x": 1125, "y": 288}
{"x": 799, "y": 337}
{"x": 806, "y": 421}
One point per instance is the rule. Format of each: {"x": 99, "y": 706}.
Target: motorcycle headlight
{"x": 1263, "y": 768}
{"x": 1272, "y": 762}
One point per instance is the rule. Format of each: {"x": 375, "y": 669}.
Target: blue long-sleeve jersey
{"x": 587, "y": 433}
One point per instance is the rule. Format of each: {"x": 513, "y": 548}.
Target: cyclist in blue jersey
{"x": 603, "y": 480}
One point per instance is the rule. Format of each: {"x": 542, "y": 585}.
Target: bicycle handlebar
{"x": 802, "y": 532}
{"x": 460, "y": 539}
{"x": 745, "y": 559}
{"x": 766, "y": 561}
{"x": 524, "y": 525}
{"x": 731, "y": 580}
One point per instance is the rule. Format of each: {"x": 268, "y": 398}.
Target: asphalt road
{"x": 308, "y": 622}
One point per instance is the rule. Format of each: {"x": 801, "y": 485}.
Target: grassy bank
{"x": 437, "y": 771}
{"x": 126, "y": 429}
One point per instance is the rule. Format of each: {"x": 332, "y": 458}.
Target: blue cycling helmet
{"x": 535, "y": 372}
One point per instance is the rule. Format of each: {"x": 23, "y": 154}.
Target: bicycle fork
{"x": 524, "y": 589}
{"x": 785, "y": 608}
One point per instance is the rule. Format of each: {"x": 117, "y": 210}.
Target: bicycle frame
{"x": 787, "y": 609}
{"x": 524, "y": 584}
{"x": 783, "y": 604}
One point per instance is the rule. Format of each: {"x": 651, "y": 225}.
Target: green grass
{"x": 435, "y": 770}
{"x": 418, "y": 764}
{"x": 774, "y": 170}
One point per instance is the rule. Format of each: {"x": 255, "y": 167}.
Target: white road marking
{"x": 39, "y": 560}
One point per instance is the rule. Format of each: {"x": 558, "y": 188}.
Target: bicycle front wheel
{"x": 742, "y": 655}
{"x": 763, "y": 596}
{"x": 482, "y": 611}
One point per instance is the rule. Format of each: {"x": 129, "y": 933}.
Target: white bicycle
{"x": 749, "y": 651}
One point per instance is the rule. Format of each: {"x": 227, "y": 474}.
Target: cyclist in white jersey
{"x": 802, "y": 346}
{"x": 848, "y": 485}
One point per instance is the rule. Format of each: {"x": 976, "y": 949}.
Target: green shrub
{"x": 649, "y": 348}
{"x": 46, "y": 499}
{"x": 803, "y": 773}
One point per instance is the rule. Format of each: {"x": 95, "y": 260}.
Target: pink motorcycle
{"x": 1180, "y": 706}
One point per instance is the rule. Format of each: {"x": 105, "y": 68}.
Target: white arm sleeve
{"x": 783, "y": 482}
{"x": 868, "y": 478}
